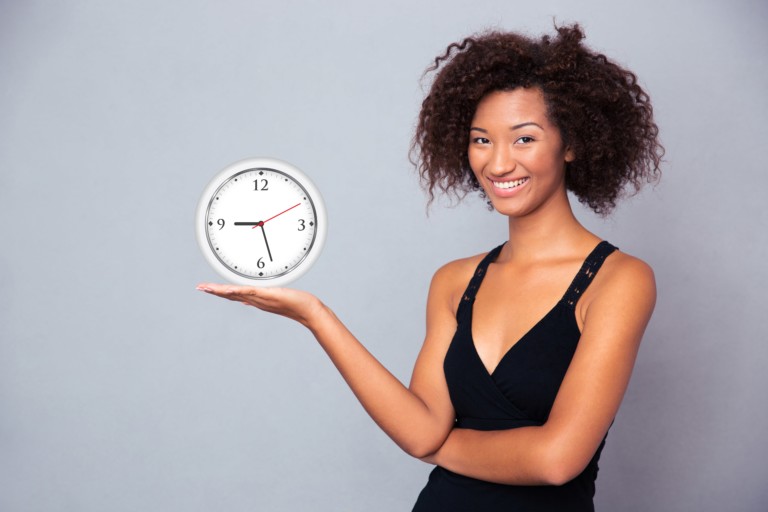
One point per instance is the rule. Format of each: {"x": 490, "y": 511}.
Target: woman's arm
{"x": 588, "y": 399}
{"x": 417, "y": 419}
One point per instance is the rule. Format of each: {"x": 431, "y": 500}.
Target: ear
{"x": 570, "y": 156}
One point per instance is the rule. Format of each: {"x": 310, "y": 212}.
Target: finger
{"x": 221, "y": 289}
{"x": 249, "y": 295}
{"x": 211, "y": 287}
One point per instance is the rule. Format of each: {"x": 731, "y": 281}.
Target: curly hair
{"x": 601, "y": 111}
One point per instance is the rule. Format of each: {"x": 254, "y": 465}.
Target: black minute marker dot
{"x": 210, "y": 223}
{"x": 261, "y": 273}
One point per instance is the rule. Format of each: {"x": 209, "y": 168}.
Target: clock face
{"x": 263, "y": 223}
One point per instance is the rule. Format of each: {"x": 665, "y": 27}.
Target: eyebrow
{"x": 512, "y": 128}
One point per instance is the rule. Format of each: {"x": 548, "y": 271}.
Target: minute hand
{"x": 261, "y": 225}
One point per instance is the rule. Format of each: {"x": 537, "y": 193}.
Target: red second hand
{"x": 269, "y": 219}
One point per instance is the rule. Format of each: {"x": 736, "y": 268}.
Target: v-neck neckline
{"x": 522, "y": 338}
{"x": 515, "y": 344}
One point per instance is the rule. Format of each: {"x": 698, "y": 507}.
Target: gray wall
{"x": 122, "y": 388}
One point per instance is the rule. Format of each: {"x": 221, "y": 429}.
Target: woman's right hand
{"x": 294, "y": 304}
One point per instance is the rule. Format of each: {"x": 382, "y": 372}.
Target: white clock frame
{"x": 267, "y": 164}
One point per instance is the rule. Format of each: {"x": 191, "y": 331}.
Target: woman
{"x": 524, "y": 365}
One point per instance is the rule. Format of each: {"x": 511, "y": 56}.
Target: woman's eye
{"x": 524, "y": 140}
{"x": 480, "y": 140}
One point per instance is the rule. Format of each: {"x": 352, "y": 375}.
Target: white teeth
{"x": 509, "y": 184}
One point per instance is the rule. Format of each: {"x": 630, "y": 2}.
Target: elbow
{"x": 423, "y": 446}
{"x": 419, "y": 452}
{"x": 421, "y": 449}
{"x": 559, "y": 475}
{"x": 560, "y": 468}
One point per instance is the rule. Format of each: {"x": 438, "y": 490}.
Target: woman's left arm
{"x": 613, "y": 324}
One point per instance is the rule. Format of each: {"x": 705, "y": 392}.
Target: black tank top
{"x": 520, "y": 392}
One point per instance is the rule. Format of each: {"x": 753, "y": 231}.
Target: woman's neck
{"x": 553, "y": 232}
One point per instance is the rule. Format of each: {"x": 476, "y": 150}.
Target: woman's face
{"x": 516, "y": 153}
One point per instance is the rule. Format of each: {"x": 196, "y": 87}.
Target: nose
{"x": 502, "y": 161}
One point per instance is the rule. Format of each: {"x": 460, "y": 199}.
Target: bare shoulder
{"x": 622, "y": 270}
{"x": 623, "y": 281}
{"x": 451, "y": 279}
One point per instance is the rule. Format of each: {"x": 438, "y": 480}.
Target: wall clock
{"x": 261, "y": 222}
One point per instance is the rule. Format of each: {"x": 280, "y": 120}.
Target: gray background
{"x": 122, "y": 388}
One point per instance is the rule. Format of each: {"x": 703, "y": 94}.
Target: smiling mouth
{"x": 509, "y": 184}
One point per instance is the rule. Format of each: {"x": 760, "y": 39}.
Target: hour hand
{"x": 257, "y": 223}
